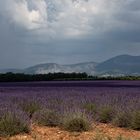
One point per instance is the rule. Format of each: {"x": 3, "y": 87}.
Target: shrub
{"x": 12, "y": 123}
{"x": 47, "y": 118}
{"x": 30, "y": 107}
{"x": 122, "y": 119}
{"x": 90, "y": 107}
{"x": 105, "y": 114}
{"x": 135, "y": 122}
{"x": 76, "y": 122}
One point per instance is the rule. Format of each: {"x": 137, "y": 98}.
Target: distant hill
{"x": 88, "y": 67}
{"x": 117, "y": 66}
{"x": 120, "y": 65}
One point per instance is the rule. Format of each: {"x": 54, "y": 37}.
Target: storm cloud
{"x": 67, "y": 31}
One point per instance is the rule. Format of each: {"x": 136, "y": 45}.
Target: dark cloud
{"x": 65, "y": 31}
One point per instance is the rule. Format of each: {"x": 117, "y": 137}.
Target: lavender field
{"x": 59, "y": 103}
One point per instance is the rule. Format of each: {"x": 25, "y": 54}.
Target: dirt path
{"x": 46, "y": 133}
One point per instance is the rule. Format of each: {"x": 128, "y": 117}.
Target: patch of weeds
{"x": 122, "y": 119}
{"x": 135, "y": 122}
{"x": 106, "y": 114}
{"x": 30, "y": 107}
{"x": 90, "y": 107}
{"x": 76, "y": 122}
{"x": 12, "y": 124}
{"x": 47, "y": 118}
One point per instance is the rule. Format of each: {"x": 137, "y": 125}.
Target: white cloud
{"x": 18, "y": 12}
{"x": 61, "y": 17}
{"x": 65, "y": 18}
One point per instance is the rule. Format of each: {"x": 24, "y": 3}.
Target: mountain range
{"x": 117, "y": 66}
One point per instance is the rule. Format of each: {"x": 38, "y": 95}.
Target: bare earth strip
{"x": 46, "y": 133}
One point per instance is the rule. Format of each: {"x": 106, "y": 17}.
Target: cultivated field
{"x": 85, "y": 110}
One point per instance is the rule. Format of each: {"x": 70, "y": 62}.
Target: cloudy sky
{"x": 67, "y": 31}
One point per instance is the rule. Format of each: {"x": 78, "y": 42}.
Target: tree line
{"x": 20, "y": 77}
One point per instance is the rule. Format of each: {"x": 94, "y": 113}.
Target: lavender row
{"x": 101, "y": 104}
